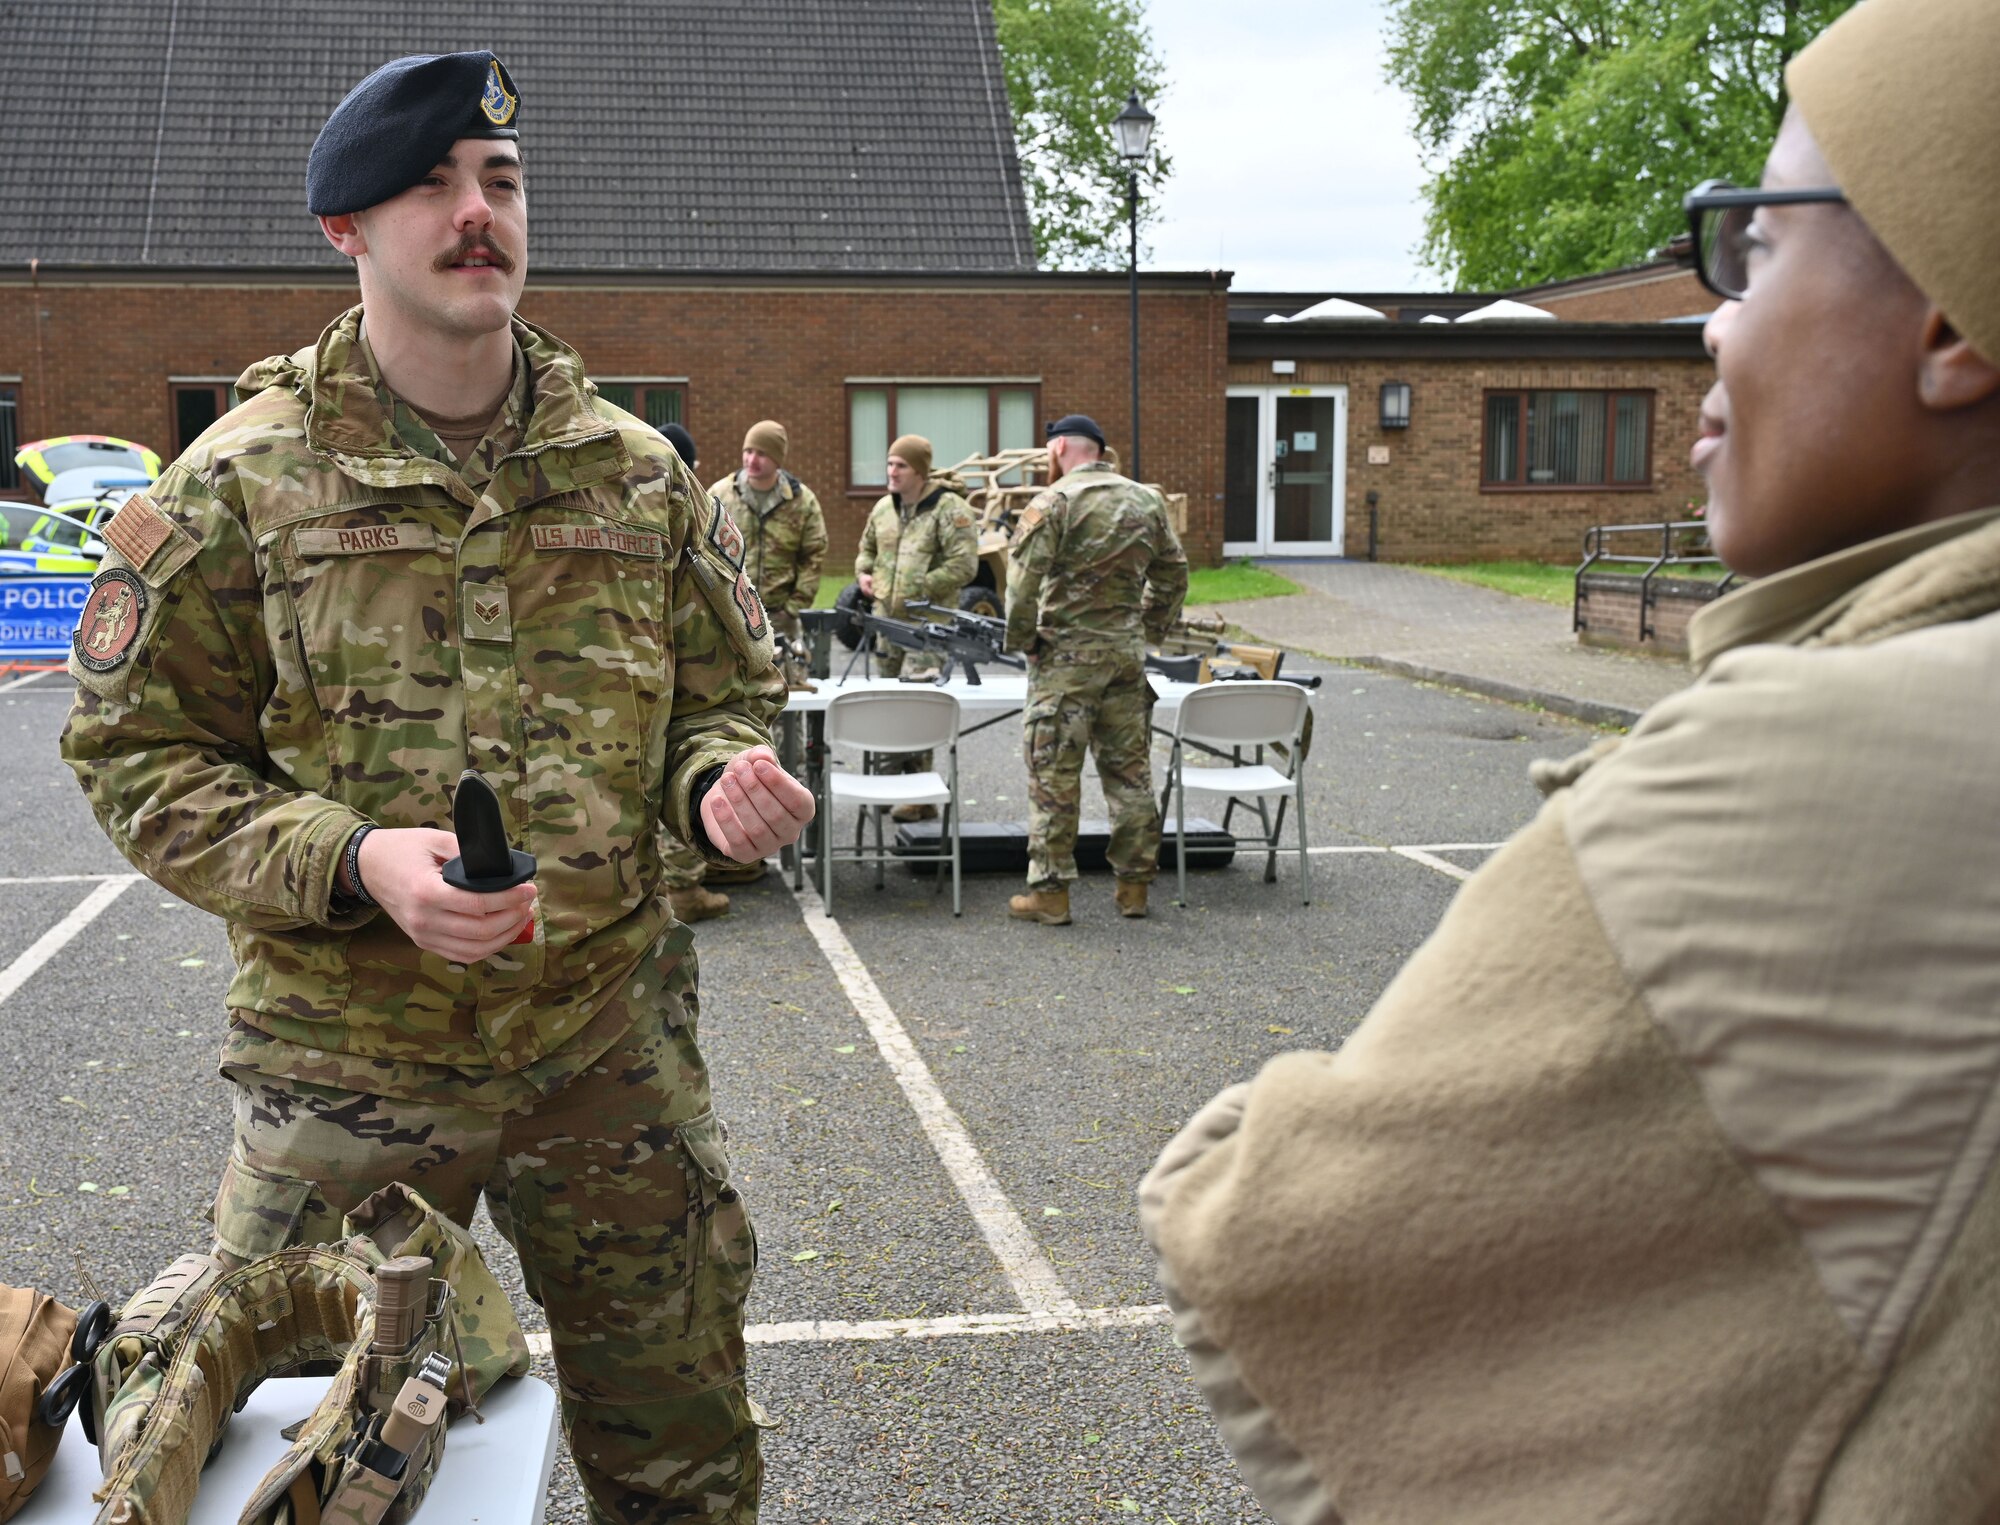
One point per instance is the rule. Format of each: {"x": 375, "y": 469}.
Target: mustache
{"x": 465, "y": 246}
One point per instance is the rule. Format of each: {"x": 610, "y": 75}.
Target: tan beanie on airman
{"x": 1903, "y": 97}
{"x": 914, "y": 451}
{"x": 769, "y": 436}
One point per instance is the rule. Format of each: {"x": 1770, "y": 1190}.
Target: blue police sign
{"x": 38, "y": 615}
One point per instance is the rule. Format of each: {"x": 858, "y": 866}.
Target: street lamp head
{"x": 1134, "y": 128}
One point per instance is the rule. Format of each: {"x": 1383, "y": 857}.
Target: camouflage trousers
{"x": 615, "y": 1193}
{"x": 1100, "y": 702}
{"x": 901, "y": 662}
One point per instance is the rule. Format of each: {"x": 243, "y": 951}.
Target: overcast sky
{"x": 1293, "y": 160}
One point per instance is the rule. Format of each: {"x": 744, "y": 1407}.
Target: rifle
{"x": 1190, "y": 669}
{"x": 948, "y": 641}
{"x": 981, "y": 627}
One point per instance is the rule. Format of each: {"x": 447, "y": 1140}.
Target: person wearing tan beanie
{"x": 784, "y": 528}
{"x": 920, "y": 542}
{"x": 1663, "y": 1183}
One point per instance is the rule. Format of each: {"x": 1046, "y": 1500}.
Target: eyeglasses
{"x": 1719, "y": 217}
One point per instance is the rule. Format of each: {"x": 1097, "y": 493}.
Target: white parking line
{"x": 68, "y": 878}
{"x": 1431, "y": 860}
{"x": 13, "y": 683}
{"x": 1035, "y": 1280}
{"x": 52, "y": 942}
{"x": 823, "y": 1331}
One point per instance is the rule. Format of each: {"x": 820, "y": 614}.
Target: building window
{"x": 960, "y": 419}
{"x": 10, "y": 439}
{"x": 659, "y": 403}
{"x": 1566, "y": 440}
{"x": 197, "y": 404}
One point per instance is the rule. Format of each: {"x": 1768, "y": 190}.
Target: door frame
{"x": 1266, "y": 544}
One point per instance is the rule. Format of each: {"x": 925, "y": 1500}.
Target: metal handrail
{"x": 1594, "y": 540}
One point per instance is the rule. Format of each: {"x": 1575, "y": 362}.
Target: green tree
{"x": 1562, "y": 134}
{"x": 1070, "y": 65}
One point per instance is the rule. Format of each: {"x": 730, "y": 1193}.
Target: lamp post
{"x": 1134, "y": 129}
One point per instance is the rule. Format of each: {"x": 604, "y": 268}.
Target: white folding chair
{"x": 890, "y": 720}
{"x": 1232, "y": 716}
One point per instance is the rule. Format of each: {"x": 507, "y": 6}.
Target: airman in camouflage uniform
{"x": 784, "y": 531}
{"x": 921, "y": 542}
{"x": 330, "y": 614}
{"x": 1095, "y": 573}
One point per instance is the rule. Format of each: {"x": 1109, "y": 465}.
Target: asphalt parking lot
{"x": 938, "y": 1123}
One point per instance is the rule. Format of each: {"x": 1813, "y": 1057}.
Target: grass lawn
{"x": 1525, "y": 579}
{"x": 1235, "y": 580}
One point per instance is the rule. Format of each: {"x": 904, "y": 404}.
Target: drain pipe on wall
{"x": 1374, "y": 516}
{"x": 41, "y": 361}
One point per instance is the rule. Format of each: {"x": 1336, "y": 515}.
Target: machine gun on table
{"x": 957, "y": 642}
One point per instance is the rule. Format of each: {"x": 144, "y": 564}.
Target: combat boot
{"x": 693, "y": 903}
{"x": 1131, "y": 897}
{"x": 914, "y": 813}
{"x": 1049, "y": 907}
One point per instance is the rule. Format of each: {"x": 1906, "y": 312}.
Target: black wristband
{"x": 352, "y": 857}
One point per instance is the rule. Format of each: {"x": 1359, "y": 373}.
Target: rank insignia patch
{"x": 751, "y": 605}
{"x": 725, "y": 536}
{"x": 497, "y": 101}
{"x": 110, "y": 620}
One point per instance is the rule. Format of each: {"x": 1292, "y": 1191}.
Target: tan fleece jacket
{"x": 1659, "y": 1185}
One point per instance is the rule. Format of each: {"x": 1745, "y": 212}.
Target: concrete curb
{"x": 1591, "y": 711}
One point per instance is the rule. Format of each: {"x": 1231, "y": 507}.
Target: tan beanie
{"x": 1903, "y": 97}
{"x": 769, "y": 437}
{"x": 915, "y": 452}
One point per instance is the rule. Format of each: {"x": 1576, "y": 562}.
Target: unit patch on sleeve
{"x": 110, "y": 621}
{"x": 751, "y": 605}
{"x": 724, "y": 535}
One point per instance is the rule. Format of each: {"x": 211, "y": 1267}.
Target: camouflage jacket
{"x": 926, "y": 552}
{"x": 784, "y": 545}
{"x": 1095, "y": 565}
{"x": 313, "y": 620}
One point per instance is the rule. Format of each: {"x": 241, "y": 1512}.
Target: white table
{"x": 496, "y": 1473}
{"x": 996, "y": 695}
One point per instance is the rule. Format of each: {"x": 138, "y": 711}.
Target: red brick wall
{"x": 99, "y": 359}
{"x": 1432, "y": 507}
{"x": 1645, "y": 299}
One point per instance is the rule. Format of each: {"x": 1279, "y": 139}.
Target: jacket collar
{"x": 1926, "y": 575}
{"x": 350, "y": 414}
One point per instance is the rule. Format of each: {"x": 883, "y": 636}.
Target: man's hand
{"x": 867, "y": 581}
{"x": 754, "y": 809}
{"x": 401, "y": 869}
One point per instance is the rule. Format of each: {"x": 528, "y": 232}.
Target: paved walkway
{"x": 1426, "y": 626}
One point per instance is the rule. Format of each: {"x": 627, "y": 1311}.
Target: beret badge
{"x": 496, "y": 101}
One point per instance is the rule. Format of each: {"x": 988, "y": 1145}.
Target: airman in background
{"x": 920, "y": 542}
{"x": 784, "y": 531}
{"x": 1095, "y": 573}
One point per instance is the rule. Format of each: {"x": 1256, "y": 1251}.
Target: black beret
{"x": 1077, "y": 423}
{"x": 394, "y": 127}
{"x": 682, "y": 441}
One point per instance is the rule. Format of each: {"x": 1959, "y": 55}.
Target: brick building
{"x": 807, "y": 229}
{"x": 740, "y": 209}
{"x": 1431, "y": 438}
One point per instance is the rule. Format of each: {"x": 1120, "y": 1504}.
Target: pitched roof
{"x": 659, "y": 134}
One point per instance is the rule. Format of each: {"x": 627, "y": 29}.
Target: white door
{"x": 1285, "y": 473}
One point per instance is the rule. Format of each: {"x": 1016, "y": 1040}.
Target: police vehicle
{"x": 71, "y": 463}
{"x": 43, "y": 542}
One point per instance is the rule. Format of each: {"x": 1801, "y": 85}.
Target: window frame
{"x": 1610, "y": 396}
{"x": 17, "y": 493}
{"x": 641, "y": 385}
{"x": 219, "y": 386}
{"x": 994, "y": 386}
